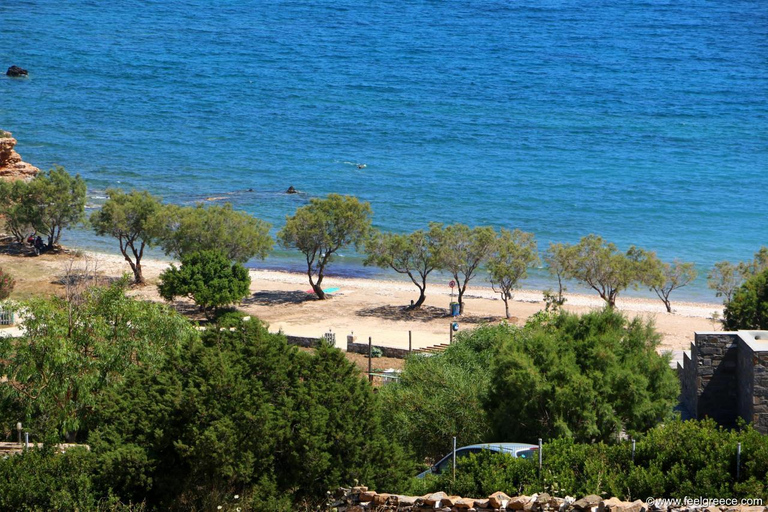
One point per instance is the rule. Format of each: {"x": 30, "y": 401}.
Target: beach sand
{"x": 368, "y": 307}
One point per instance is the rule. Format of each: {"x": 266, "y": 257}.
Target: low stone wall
{"x": 360, "y": 499}
{"x": 301, "y": 341}
{"x": 362, "y": 348}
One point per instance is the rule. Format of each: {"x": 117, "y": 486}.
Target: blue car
{"x": 518, "y": 450}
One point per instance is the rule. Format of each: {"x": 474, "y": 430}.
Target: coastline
{"x": 366, "y": 307}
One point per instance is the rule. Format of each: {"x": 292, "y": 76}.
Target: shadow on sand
{"x": 279, "y": 298}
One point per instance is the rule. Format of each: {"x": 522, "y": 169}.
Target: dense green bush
{"x": 241, "y": 412}
{"x": 588, "y": 377}
{"x": 6, "y": 284}
{"x": 748, "y": 309}
{"x": 208, "y": 278}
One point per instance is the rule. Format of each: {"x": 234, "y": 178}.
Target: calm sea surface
{"x": 645, "y": 122}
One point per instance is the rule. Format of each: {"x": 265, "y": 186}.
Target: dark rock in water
{"x": 16, "y": 71}
{"x": 291, "y": 190}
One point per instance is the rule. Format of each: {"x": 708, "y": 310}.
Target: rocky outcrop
{"x": 16, "y": 72}
{"x": 361, "y": 499}
{"x": 11, "y": 165}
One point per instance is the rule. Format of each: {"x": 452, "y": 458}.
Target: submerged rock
{"x": 16, "y": 71}
{"x": 291, "y": 190}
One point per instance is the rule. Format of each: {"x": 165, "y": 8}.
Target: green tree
{"x": 12, "y": 209}
{"x": 241, "y": 412}
{"x": 514, "y": 251}
{"x": 69, "y": 354}
{"x": 54, "y": 201}
{"x": 602, "y": 267}
{"x": 664, "y": 278}
{"x": 559, "y": 259}
{"x": 724, "y": 278}
{"x": 208, "y": 278}
{"x": 7, "y": 283}
{"x": 238, "y": 235}
{"x": 588, "y": 377}
{"x": 463, "y": 250}
{"x": 136, "y": 219}
{"x": 413, "y": 254}
{"x": 321, "y": 228}
{"x": 748, "y": 308}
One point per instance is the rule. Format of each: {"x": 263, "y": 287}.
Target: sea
{"x": 645, "y": 122}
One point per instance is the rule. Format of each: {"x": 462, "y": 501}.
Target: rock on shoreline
{"x": 12, "y": 167}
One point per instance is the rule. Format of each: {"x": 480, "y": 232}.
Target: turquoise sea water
{"x": 645, "y": 122}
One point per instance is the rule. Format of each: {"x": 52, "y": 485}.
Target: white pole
{"x": 454, "y": 458}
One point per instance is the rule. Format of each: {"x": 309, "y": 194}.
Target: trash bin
{"x": 455, "y": 309}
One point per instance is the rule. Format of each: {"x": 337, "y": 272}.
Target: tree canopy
{"x": 321, "y": 228}
{"x": 664, "y": 278}
{"x": 462, "y": 251}
{"x": 71, "y": 353}
{"x": 513, "y": 253}
{"x": 237, "y": 234}
{"x": 135, "y": 219}
{"x": 748, "y": 308}
{"x": 414, "y": 254}
{"x": 208, "y": 278}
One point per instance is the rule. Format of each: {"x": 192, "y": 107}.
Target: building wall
{"x": 760, "y": 391}
{"x": 746, "y": 380}
{"x": 715, "y": 358}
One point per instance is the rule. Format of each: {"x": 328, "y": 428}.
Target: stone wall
{"x": 362, "y": 348}
{"x": 302, "y": 341}
{"x": 714, "y": 356}
{"x": 759, "y": 395}
{"x": 745, "y": 380}
{"x": 360, "y": 499}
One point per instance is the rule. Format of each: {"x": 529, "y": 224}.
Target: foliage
{"x": 558, "y": 259}
{"x": 208, "y": 278}
{"x": 241, "y": 412}
{"x": 441, "y": 396}
{"x": 588, "y": 377}
{"x": 6, "y": 284}
{"x": 513, "y": 252}
{"x": 12, "y": 206}
{"x": 53, "y": 201}
{"x": 321, "y": 228}
{"x": 71, "y": 353}
{"x": 748, "y": 308}
{"x": 414, "y": 254}
{"x": 724, "y": 278}
{"x": 462, "y": 251}
{"x": 238, "y": 235}
{"x": 135, "y": 219}
{"x": 601, "y": 266}
{"x": 663, "y": 278}
{"x": 673, "y": 460}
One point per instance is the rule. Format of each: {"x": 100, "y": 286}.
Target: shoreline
{"x": 374, "y": 307}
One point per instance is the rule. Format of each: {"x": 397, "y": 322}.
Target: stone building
{"x": 725, "y": 376}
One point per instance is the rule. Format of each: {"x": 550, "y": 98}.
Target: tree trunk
{"x": 418, "y": 303}
{"x": 668, "y": 305}
{"x": 316, "y": 286}
{"x": 461, "y": 301}
{"x": 138, "y": 277}
{"x": 506, "y": 305}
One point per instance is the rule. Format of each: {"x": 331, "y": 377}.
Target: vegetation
{"x": 323, "y": 227}
{"x": 558, "y": 260}
{"x": 415, "y": 255}
{"x": 238, "y": 235}
{"x": 136, "y": 219}
{"x": 7, "y": 284}
{"x": 514, "y": 251}
{"x": 588, "y": 378}
{"x": 72, "y": 353}
{"x": 462, "y": 251}
{"x": 664, "y": 278}
{"x": 53, "y": 201}
{"x": 208, "y": 278}
{"x": 725, "y": 277}
{"x": 673, "y": 460}
{"x": 599, "y": 265}
{"x": 748, "y": 308}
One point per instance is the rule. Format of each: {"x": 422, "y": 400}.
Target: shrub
{"x": 7, "y": 283}
{"x": 748, "y": 308}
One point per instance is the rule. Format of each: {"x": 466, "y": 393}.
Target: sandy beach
{"x": 368, "y": 307}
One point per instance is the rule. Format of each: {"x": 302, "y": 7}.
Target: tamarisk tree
{"x": 667, "y": 277}
{"x": 513, "y": 253}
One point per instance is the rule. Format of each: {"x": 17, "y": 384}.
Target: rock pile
{"x": 360, "y": 499}
{"x": 11, "y": 166}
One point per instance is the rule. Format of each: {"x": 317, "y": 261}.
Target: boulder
{"x": 291, "y": 190}
{"x": 587, "y": 502}
{"x": 16, "y": 72}
{"x": 518, "y": 502}
{"x": 367, "y": 496}
{"x": 435, "y": 499}
{"x": 464, "y": 504}
{"x": 608, "y": 505}
{"x": 498, "y": 500}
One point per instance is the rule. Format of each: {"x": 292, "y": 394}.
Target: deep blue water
{"x": 645, "y": 122}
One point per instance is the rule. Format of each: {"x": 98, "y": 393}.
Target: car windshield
{"x": 530, "y": 453}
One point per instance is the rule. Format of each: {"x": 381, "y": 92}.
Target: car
{"x": 517, "y": 450}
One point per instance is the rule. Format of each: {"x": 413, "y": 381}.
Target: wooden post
{"x": 409, "y": 342}
{"x": 370, "y": 359}
{"x": 450, "y": 333}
